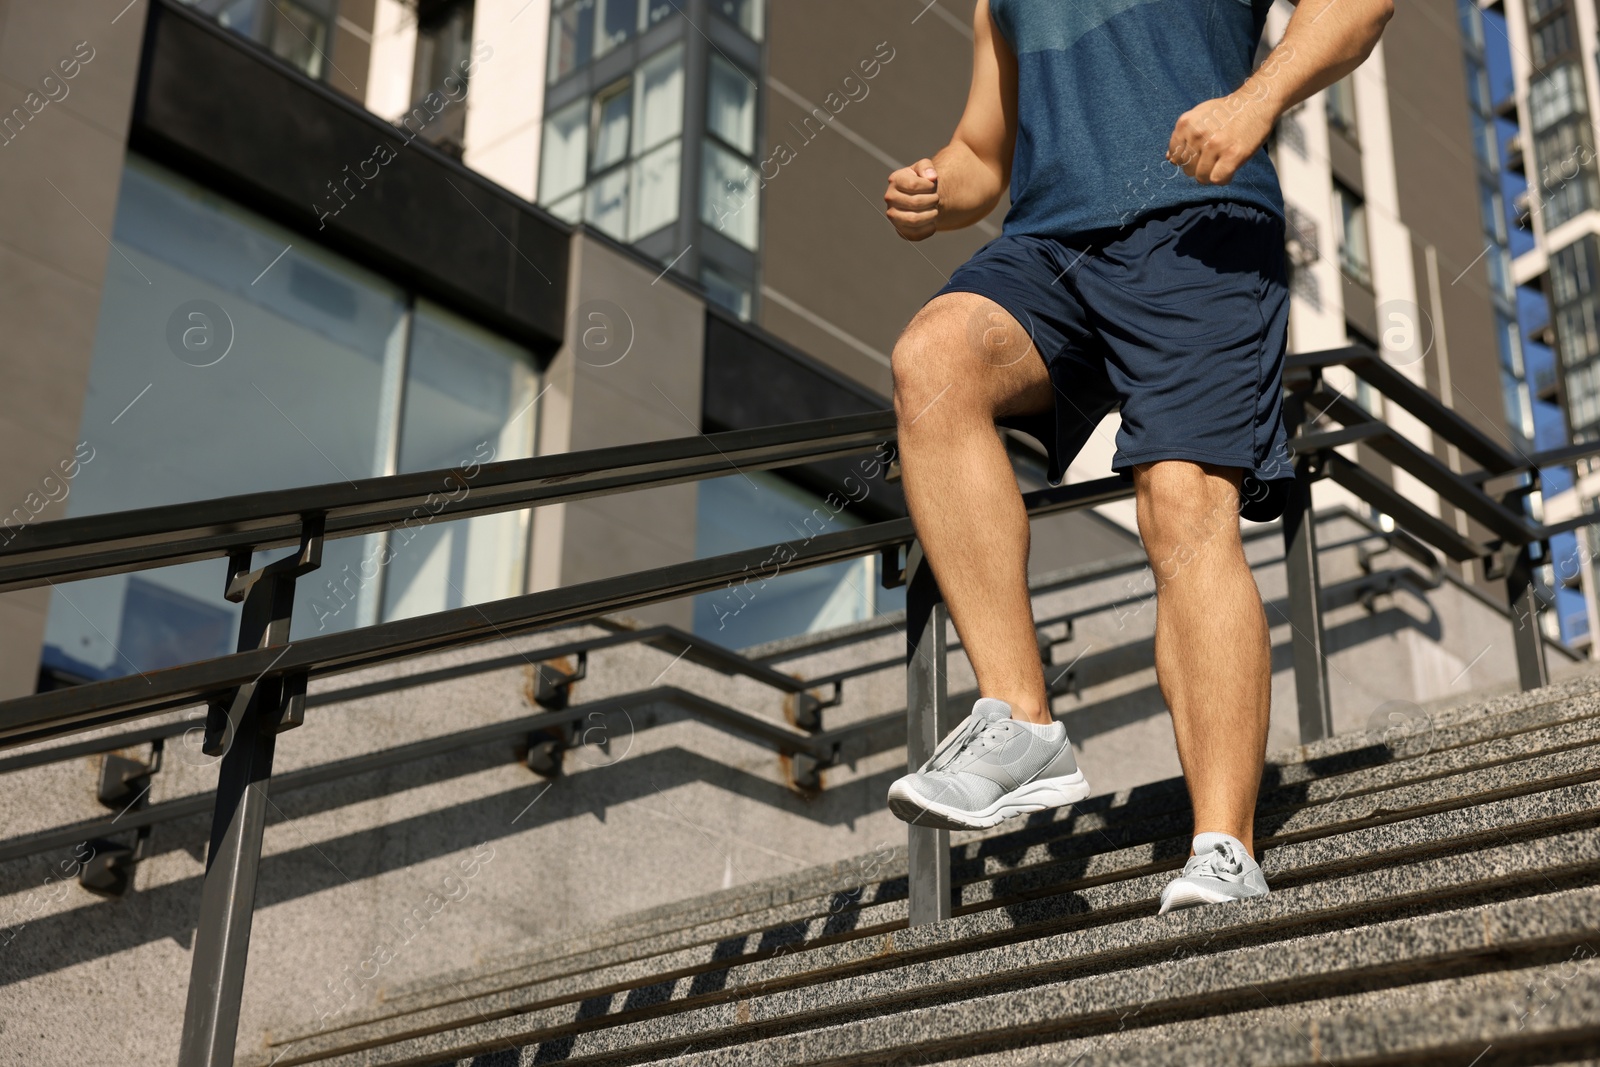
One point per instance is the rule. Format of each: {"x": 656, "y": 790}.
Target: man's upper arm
{"x": 988, "y": 126}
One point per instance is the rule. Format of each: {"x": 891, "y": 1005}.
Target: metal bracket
{"x": 292, "y": 701}
{"x": 241, "y": 579}
{"x": 892, "y": 567}
{"x": 123, "y": 781}
{"x": 891, "y": 470}
{"x": 274, "y": 581}
{"x": 1497, "y": 564}
{"x": 546, "y": 746}
{"x": 1047, "y": 643}
{"x": 804, "y": 709}
{"x": 124, "y": 786}
{"x": 805, "y": 773}
{"x": 551, "y": 686}
{"x": 108, "y": 872}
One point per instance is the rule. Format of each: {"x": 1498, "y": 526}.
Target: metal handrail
{"x": 95, "y": 704}
{"x": 92, "y": 546}
{"x": 826, "y": 748}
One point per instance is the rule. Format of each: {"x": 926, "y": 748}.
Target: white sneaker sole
{"x": 1040, "y": 795}
{"x": 1187, "y": 894}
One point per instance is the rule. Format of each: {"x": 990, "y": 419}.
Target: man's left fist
{"x": 1211, "y": 141}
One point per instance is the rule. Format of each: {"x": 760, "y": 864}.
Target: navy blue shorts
{"x": 1180, "y": 320}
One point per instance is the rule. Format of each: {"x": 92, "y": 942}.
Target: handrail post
{"x": 927, "y": 720}
{"x": 246, "y": 732}
{"x": 1522, "y": 596}
{"x": 1305, "y": 609}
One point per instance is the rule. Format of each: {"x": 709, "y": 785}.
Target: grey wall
{"x": 58, "y": 182}
{"x": 628, "y": 372}
{"x": 1435, "y": 170}
{"x": 827, "y": 247}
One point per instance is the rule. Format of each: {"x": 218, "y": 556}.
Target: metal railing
{"x": 259, "y": 691}
{"x": 809, "y": 747}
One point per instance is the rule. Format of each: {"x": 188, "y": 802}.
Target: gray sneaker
{"x": 1219, "y": 871}
{"x": 990, "y": 768}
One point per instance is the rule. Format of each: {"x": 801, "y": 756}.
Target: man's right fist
{"x": 913, "y": 200}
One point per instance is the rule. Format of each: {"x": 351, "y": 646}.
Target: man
{"x": 1140, "y": 268}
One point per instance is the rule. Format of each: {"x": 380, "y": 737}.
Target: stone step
{"x": 979, "y": 859}
{"x": 1040, "y": 870}
{"x": 1540, "y": 1016}
{"x": 1503, "y": 717}
{"x": 604, "y": 998}
{"x": 1479, "y": 951}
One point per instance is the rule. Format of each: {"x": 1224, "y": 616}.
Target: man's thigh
{"x": 971, "y": 338}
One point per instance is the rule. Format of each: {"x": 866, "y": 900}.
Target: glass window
{"x": 468, "y": 401}
{"x": 443, "y": 52}
{"x": 1577, "y": 334}
{"x": 1478, "y": 87}
{"x": 234, "y": 357}
{"x": 612, "y": 110}
{"x": 213, "y": 376}
{"x": 570, "y": 209}
{"x": 1484, "y": 142}
{"x": 739, "y": 512}
{"x": 726, "y": 291}
{"x": 731, "y": 106}
{"x": 745, "y": 14}
{"x": 1341, "y": 106}
{"x": 444, "y": 46}
{"x": 1552, "y": 40}
{"x": 298, "y": 35}
{"x": 572, "y": 33}
{"x": 1567, "y": 186}
{"x": 658, "y": 100}
{"x": 656, "y": 10}
{"x": 1519, "y": 407}
{"x": 1351, "y": 213}
{"x": 1510, "y": 343}
{"x": 730, "y": 195}
{"x": 654, "y": 197}
{"x": 1572, "y": 271}
{"x": 618, "y": 20}
{"x": 563, "y": 151}
{"x": 1500, "y": 279}
{"x": 1471, "y": 22}
{"x": 1493, "y": 213}
{"x": 1554, "y": 95}
{"x": 606, "y": 204}
{"x": 296, "y": 31}
{"x": 1583, "y": 398}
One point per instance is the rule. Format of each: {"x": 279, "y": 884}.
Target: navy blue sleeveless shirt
{"x": 1100, "y": 85}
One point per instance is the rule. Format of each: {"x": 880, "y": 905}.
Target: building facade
{"x": 334, "y": 239}
{"x": 1547, "y": 124}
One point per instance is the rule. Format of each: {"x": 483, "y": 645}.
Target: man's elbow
{"x": 1375, "y": 15}
{"x": 1379, "y": 14}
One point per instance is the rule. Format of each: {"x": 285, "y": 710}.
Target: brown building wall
{"x": 59, "y": 173}
{"x": 1436, "y": 172}
{"x": 827, "y": 246}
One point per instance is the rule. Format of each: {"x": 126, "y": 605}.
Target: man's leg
{"x": 1213, "y": 660}
{"x": 960, "y": 363}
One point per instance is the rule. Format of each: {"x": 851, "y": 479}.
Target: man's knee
{"x": 925, "y": 362}
{"x": 1186, "y": 510}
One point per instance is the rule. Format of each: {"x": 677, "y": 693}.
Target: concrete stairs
{"x": 1436, "y": 899}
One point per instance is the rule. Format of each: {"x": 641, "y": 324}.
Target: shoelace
{"x": 974, "y": 730}
{"x": 1217, "y": 863}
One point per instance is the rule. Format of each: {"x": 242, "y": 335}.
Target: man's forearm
{"x": 1324, "y": 41}
{"x": 968, "y": 188}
